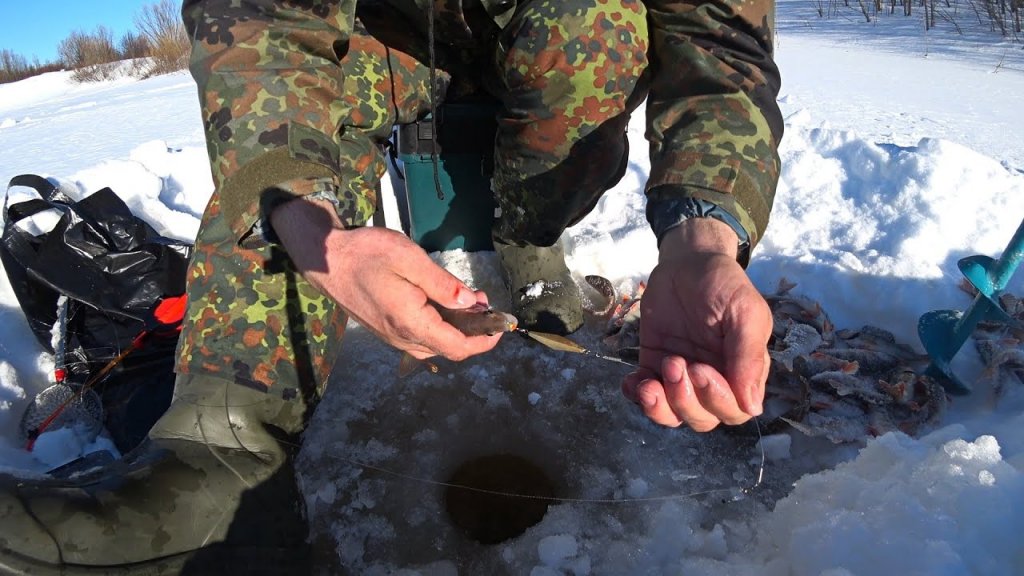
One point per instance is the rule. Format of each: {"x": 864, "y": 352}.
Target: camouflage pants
{"x": 567, "y": 73}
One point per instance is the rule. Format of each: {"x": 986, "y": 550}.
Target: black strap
{"x": 22, "y": 210}
{"x": 47, "y": 190}
{"x": 19, "y": 243}
{"x": 377, "y": 219}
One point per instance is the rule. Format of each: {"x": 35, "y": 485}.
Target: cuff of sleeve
{"x": 249, "y": 196}
{"x": 665, "y": 214}
{"x": 262, "y": 233}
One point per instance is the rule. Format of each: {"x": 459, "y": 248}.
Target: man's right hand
{"x": 381, "y": 278}
{"x": 704, "y": 335}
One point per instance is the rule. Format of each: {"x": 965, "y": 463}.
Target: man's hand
{"x": 381, "y": 278}
{"x": 703, "y": 333}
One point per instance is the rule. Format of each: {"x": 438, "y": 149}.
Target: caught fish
{"x": 477, "y": 320}
{"x": 818, "y": 361}
{"x": 800, "y": 340}
{"x": 787, "y": 398}
{"x": 605, "y": 289}
{"x": 787, "y": 309}
{"x": 622, "y": 332}
{"x": 844, "y": 385}
{"x": 868, "y": 360}
{"x": 1004, "y": 363}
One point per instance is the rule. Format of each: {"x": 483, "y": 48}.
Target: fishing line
{"x": 645, "y": 499}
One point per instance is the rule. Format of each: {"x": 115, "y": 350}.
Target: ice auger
{"x": 943, "y": 332}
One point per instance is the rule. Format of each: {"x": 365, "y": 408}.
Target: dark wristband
{"x": 666, "y": 213}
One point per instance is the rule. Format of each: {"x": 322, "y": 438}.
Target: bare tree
{"x": 1006, "y": 17}
{"x": 89, "y": 54}
{"x": 864, "y": 10}
{"x": 161, "y": 27}
{"x": 134, "y": 45}
{"x": 13, "y": 66}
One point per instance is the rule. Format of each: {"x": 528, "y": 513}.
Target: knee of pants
{"x": 566, "y": 69}
{"x": 581, "y": 58}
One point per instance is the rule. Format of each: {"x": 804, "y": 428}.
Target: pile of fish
{"x": 1001, "y": 345}
{"x": 622, "y": 332}
{"x": 845, "y": 385}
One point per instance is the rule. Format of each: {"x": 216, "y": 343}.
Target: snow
{"x": 955, "y": 501}
{"x": 901, "y": 156}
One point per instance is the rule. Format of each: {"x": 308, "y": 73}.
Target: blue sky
{"x": 36, "y": 27}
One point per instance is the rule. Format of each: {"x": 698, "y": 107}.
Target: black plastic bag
{"x": 114, "y": 268}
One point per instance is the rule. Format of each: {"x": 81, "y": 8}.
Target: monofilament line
{"x": 432, "y": 482}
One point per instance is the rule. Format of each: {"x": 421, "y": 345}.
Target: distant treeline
{"x": 1002, "y": 17}
{"x": 157, "y": 45}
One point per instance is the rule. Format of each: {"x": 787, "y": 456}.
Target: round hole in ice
{"x": 497, "y": 497}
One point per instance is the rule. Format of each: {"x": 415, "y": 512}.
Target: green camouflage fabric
{"x": 567, "y": 77}
{"x": 712, "y": 118}
{"x": 298, "y": 96}
{"x": 253, "y": 319}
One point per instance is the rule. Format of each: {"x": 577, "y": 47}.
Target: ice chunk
{"x": 554, "y": 550}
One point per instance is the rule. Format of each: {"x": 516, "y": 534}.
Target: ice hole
{"x": 497, "y": 497}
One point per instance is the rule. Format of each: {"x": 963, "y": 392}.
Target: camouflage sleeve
{"x": 269, "y": 84}
{"x": 713, "y": 121}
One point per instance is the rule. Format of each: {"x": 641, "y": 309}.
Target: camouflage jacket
{"x": 270, "y": 91}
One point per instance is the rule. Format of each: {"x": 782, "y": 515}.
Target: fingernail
{"x": 756, "y": 409}
{"x": 698, "y": 380}
{"x": 673, "y": 373}
{"x": 648, "y": 399}
{"x": 465, "y": 297}
{"x": 645, "y": 395}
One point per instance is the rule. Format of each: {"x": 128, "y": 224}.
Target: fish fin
{"x": 410, "y": 364}
{"x": 407, "y": 365}
{"x": 784, "y": 286}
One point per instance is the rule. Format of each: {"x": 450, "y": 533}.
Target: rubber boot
{"x": 211, "y": 491}
{"x": 545, "y": 298}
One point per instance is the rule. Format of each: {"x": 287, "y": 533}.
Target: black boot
{"x": 211, "y": 491}
{"x": 545, "y": 297}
